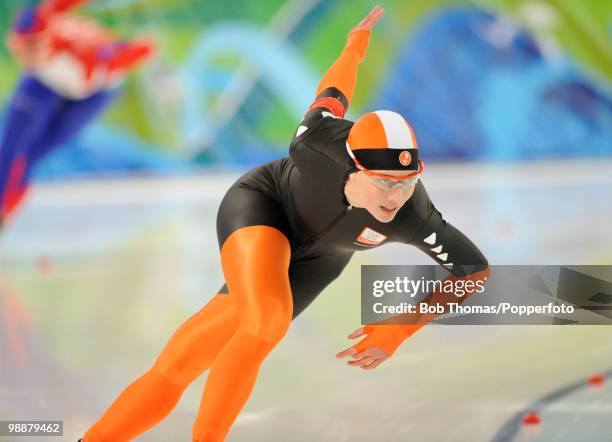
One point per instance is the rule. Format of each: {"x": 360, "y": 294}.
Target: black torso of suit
{"x": 303, "y": 196}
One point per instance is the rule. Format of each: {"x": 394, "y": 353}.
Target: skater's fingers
{"x": 367, "y": 353}
{"x": 348, "y": 352}
{"x": 374, "y": 16}
{"x": 371, "y": 351}
{"x": 375, "y": 363}
{"x": 359, "y": 356}
{"x": 371, "y": 19}
{"x": 361, "y": 362}
{"x": 357, "y": 333}
{"x": 367, "y": 357}
{"x": 367, "y": 363}
{"x": 357, "y": 362}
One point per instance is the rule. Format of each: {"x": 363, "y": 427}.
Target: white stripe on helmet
{"x": 399, "y": 134}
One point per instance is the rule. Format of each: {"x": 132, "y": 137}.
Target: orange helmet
{"x": 383, "y": 140}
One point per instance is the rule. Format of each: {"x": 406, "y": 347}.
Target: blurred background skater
{"x": 73, "y": 69}
{"x": 286, "y": 230}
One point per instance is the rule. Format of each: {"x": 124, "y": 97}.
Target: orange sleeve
{"x": 342, "y": 75}
{"x": 390, "y": 333}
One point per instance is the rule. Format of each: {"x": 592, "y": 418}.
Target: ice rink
{"x": 95, "y": 276}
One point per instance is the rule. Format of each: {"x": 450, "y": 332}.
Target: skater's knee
{"x": 176, "y": 370}
{"x": 269, "y": 324}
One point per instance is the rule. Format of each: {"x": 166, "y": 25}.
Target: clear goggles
{"x": 387, "y": 184}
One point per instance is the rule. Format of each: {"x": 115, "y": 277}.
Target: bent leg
{"x": 188, "y": 353}
{"x": 255, "y": 262}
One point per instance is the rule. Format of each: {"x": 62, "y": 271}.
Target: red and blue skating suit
{"x": 73, "y": 68}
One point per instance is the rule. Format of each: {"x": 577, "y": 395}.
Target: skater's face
{"x": 383, "y": 199}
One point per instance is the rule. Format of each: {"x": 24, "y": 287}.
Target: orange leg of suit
{"x": 231, "y": 335}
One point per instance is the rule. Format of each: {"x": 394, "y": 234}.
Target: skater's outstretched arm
{"x": 335, "y": 91}
{"x": 382, "y": 339}
{"x": 450, "y": 248}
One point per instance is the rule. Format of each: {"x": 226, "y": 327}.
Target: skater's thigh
{"x": 255, "y": 254}
{"x": 255, "y": 263}
{"x": 309, "y": 277}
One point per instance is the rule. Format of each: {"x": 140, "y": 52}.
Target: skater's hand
{"x": 379, "y": 344}
{"x": 364, "y": 356}
{"x": 370, "y": 20}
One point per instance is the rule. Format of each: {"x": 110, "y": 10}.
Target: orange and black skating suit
{"x": 285, "y": 232}
{"x": 303, "y": 197}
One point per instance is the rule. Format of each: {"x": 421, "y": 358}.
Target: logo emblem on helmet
{"x": 405, "y": 158}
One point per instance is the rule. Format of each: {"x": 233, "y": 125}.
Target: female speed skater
{"x": 286, "y": 230}
{"x": 73, "y": 68}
